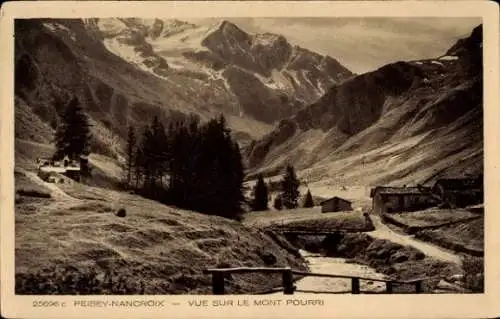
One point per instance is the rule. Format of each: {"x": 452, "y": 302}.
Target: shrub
{"x": 70, "y": 280}
{"x": 473, "y": 273}
{"x": 44, "y": 175}
{"x": 308, "y": 200}
{"x": 268, "y": 258}
{"x": 33, "y": 193}
{"x": 121, "y": 212}
{"x": 278, "y": 204}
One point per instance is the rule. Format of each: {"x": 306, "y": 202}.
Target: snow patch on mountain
{"x": 266, "y": 39}
{"x": 269, "y": 82}
{"x": 131, "y": 55}
{"x": 449, "y": 58}
{"x": 296, "y": 76}
{"x": 280, "y": 80}
{"x": 305, "y": 75}
{"x": 126, "y": 52}
{"x": 55, "y": 27}
{"x": 437, "y": 62}
{"x": 186, "y": 40}
{"x": 111, "y": 27}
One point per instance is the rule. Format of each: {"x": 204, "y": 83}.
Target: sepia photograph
{"x": 248, "y": 155}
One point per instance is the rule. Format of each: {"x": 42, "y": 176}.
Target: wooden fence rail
{"x": 288, "y": 288}
{"x": 316, "y": 230}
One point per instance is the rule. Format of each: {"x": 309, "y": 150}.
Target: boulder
{"x": 398, "y": 257}
{"x": 445, "y": 285}
{"x": 455, "y": 277}
{"x": 268, "y": 258}
{"x": 121, "y": 213}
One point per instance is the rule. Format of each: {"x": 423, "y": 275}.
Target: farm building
{"x": 459, "y": 192}
{"x": 335, "y": 204}
{"x": 477, "y": 209}
{"x": 401, "y": 199}
{"x": 67, "y": 167}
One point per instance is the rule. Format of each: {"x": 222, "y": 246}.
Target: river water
{"x": 337, "y": 266}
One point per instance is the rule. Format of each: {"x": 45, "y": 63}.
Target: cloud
{"x": 364, "y": 44}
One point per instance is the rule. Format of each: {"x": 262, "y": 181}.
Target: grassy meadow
{"x": 431, "y": 217}
{"x": 311, "y": 217}
{"x": 81, "y": 246}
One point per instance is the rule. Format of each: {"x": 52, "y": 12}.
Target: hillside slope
{"x": 155, "y": 249}
{"x": 269, "y": 77}
{"x": 407, "y": 122}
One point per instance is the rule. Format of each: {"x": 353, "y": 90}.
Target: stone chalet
{"x": 460, "y": 192}
{"x": 399, "y": 199}
{"x": 66, "y": 166}
{"x": 335, "y": 204}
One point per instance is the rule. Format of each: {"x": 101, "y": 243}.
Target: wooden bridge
{"x": 319, "y": 231}
{"x": 288, "y": 287}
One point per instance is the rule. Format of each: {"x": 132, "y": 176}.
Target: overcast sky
{"x": 364, "y": 44}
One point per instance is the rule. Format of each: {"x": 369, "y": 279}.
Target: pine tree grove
{"x": 72, "y": 136}
{"x": 130, "y": 153}
{"x": 190, "y": 165}
{"x": 260, "y": 195}
{"x": 290, "y": 188}
{"x": 278, "y": 203}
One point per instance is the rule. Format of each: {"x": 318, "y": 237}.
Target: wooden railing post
{"x": 288, "y": 287}
{"x": 355, "y": 285}
{"x": 217, "y": 283}
{"x": 418, "y": 286}
{"x": 388, "y": 287}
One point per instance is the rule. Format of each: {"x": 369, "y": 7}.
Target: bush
{"x": 278, "y": 204}
{"x": 121, "y": 213}
{"x": 33, "y": 193}
{"x": 44, "y": 176}
{"x": 473, "y": 273}
{"x": 70, "y": 281}
{"x": 268, "y": 258}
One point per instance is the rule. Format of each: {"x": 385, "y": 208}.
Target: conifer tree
{"x": 237, "y": 197}
{"x": 72, "y": 136}
{"x": 131, "y": 145}
{"x": 159, "y": 154}
{"x": 278, "y": 203}
{"x": 223, "y": 173}
{"x": 179, "y": 189}
{"x": 260, "y": 195}
{"x": 308, "y": 201}
{"x": 138, "y": 156}
{"x": 290, "y": 188}
{"x": 146, "y": 160}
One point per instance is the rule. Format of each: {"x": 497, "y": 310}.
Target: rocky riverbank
{"x": 318, "y": 263}
{"x": 394, "y": 260}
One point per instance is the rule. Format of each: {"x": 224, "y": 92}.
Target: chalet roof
{"x": 399, "y": 190}
{"x": 334, "y": 197}
{"x": 459, "y": 183}
{"x": 59, "y": 169}
{"x": 477, "y": 206}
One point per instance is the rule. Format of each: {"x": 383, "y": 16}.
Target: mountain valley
{"x": 126, "y": 71}
{"x": 404, "y": 123}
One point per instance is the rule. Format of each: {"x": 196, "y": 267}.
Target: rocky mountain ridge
{"x": 269, "y": 77}
{"x": 125, "y": 71}
{"x": 405, "y": 122}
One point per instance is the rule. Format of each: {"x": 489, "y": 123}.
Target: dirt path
{"x": 55, "y": 191}
{"x": 382, "y": 231}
